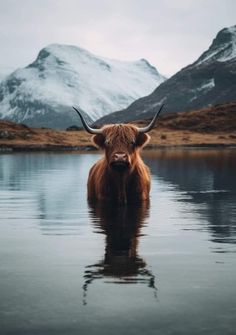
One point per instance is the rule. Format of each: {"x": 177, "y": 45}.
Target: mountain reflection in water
{"x": 122, "y": 227}
{"x": 206, "y": 179}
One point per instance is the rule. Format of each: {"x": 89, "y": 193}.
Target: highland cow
{"x": 121, "y": 175}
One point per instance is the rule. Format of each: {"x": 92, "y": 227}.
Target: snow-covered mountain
{"x": 62, "y": 76}
{"x": 210, "y": 80}
{"x": 5, "y": 71}
{"x": 2, "y": 76}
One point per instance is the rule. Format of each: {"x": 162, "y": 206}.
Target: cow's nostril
{"x": 120, "y": 161}
{"x": 120, "y": 156}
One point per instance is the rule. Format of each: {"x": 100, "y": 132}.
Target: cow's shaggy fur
{"x": 131, "y": 184}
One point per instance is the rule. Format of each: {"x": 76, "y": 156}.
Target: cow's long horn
{"x": 151, "y": 124}
{"x": 86, "y": 126}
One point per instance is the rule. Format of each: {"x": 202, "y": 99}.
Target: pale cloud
{"x": 170, "y": 34}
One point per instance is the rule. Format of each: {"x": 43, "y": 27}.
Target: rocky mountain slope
{"x": 43, "y": 93}
{"x": 210, "y": 80}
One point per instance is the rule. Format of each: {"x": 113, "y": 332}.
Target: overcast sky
{"x": 170, "y": 34}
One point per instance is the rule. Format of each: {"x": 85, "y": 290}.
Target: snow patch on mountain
{"x": 232, "y": 49}
{"x": 5, "y": 71}
{"x": 205, "y": 87}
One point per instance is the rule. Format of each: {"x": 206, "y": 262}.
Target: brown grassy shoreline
{"x": 211, "y": 127}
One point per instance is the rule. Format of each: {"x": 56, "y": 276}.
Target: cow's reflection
{"x": 121, "y": 263}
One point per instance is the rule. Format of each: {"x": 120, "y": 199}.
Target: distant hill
{"x": 62, "y": 76}
{"x": 210, "y": 80}
{"x": 215, "y": 119}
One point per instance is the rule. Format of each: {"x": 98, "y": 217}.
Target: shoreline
{"x": 87, "y": 148}
{"x": 213, "y": 127}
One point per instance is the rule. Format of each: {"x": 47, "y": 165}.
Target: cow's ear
{"x": 142, "y": 139}
{"x": 99, "y": 140}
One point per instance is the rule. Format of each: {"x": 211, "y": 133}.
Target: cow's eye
{"x": 107, "y": 142}
{"x": 133, "y": 142}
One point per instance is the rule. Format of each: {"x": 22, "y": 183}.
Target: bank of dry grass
{"x": 211, "y": 126}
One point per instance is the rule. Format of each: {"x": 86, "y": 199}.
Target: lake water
{"x": 167, "y": 268}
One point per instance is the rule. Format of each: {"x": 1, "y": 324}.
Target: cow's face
{"x": 121, "y": 144}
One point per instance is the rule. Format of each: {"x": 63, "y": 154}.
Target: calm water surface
{"x": 166, "y": 268}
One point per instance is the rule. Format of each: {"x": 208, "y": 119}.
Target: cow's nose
{"x": 120, "y": 157}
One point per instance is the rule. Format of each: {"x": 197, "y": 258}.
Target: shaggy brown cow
{"x": 121, "y": 175}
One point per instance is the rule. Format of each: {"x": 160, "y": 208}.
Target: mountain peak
{"x": 208, "y": 81}
{"x": 60, "y": 53}
{"x": 223, "y": 47}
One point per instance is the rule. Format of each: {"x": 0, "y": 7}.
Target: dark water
{"x": 166, "y": 268}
